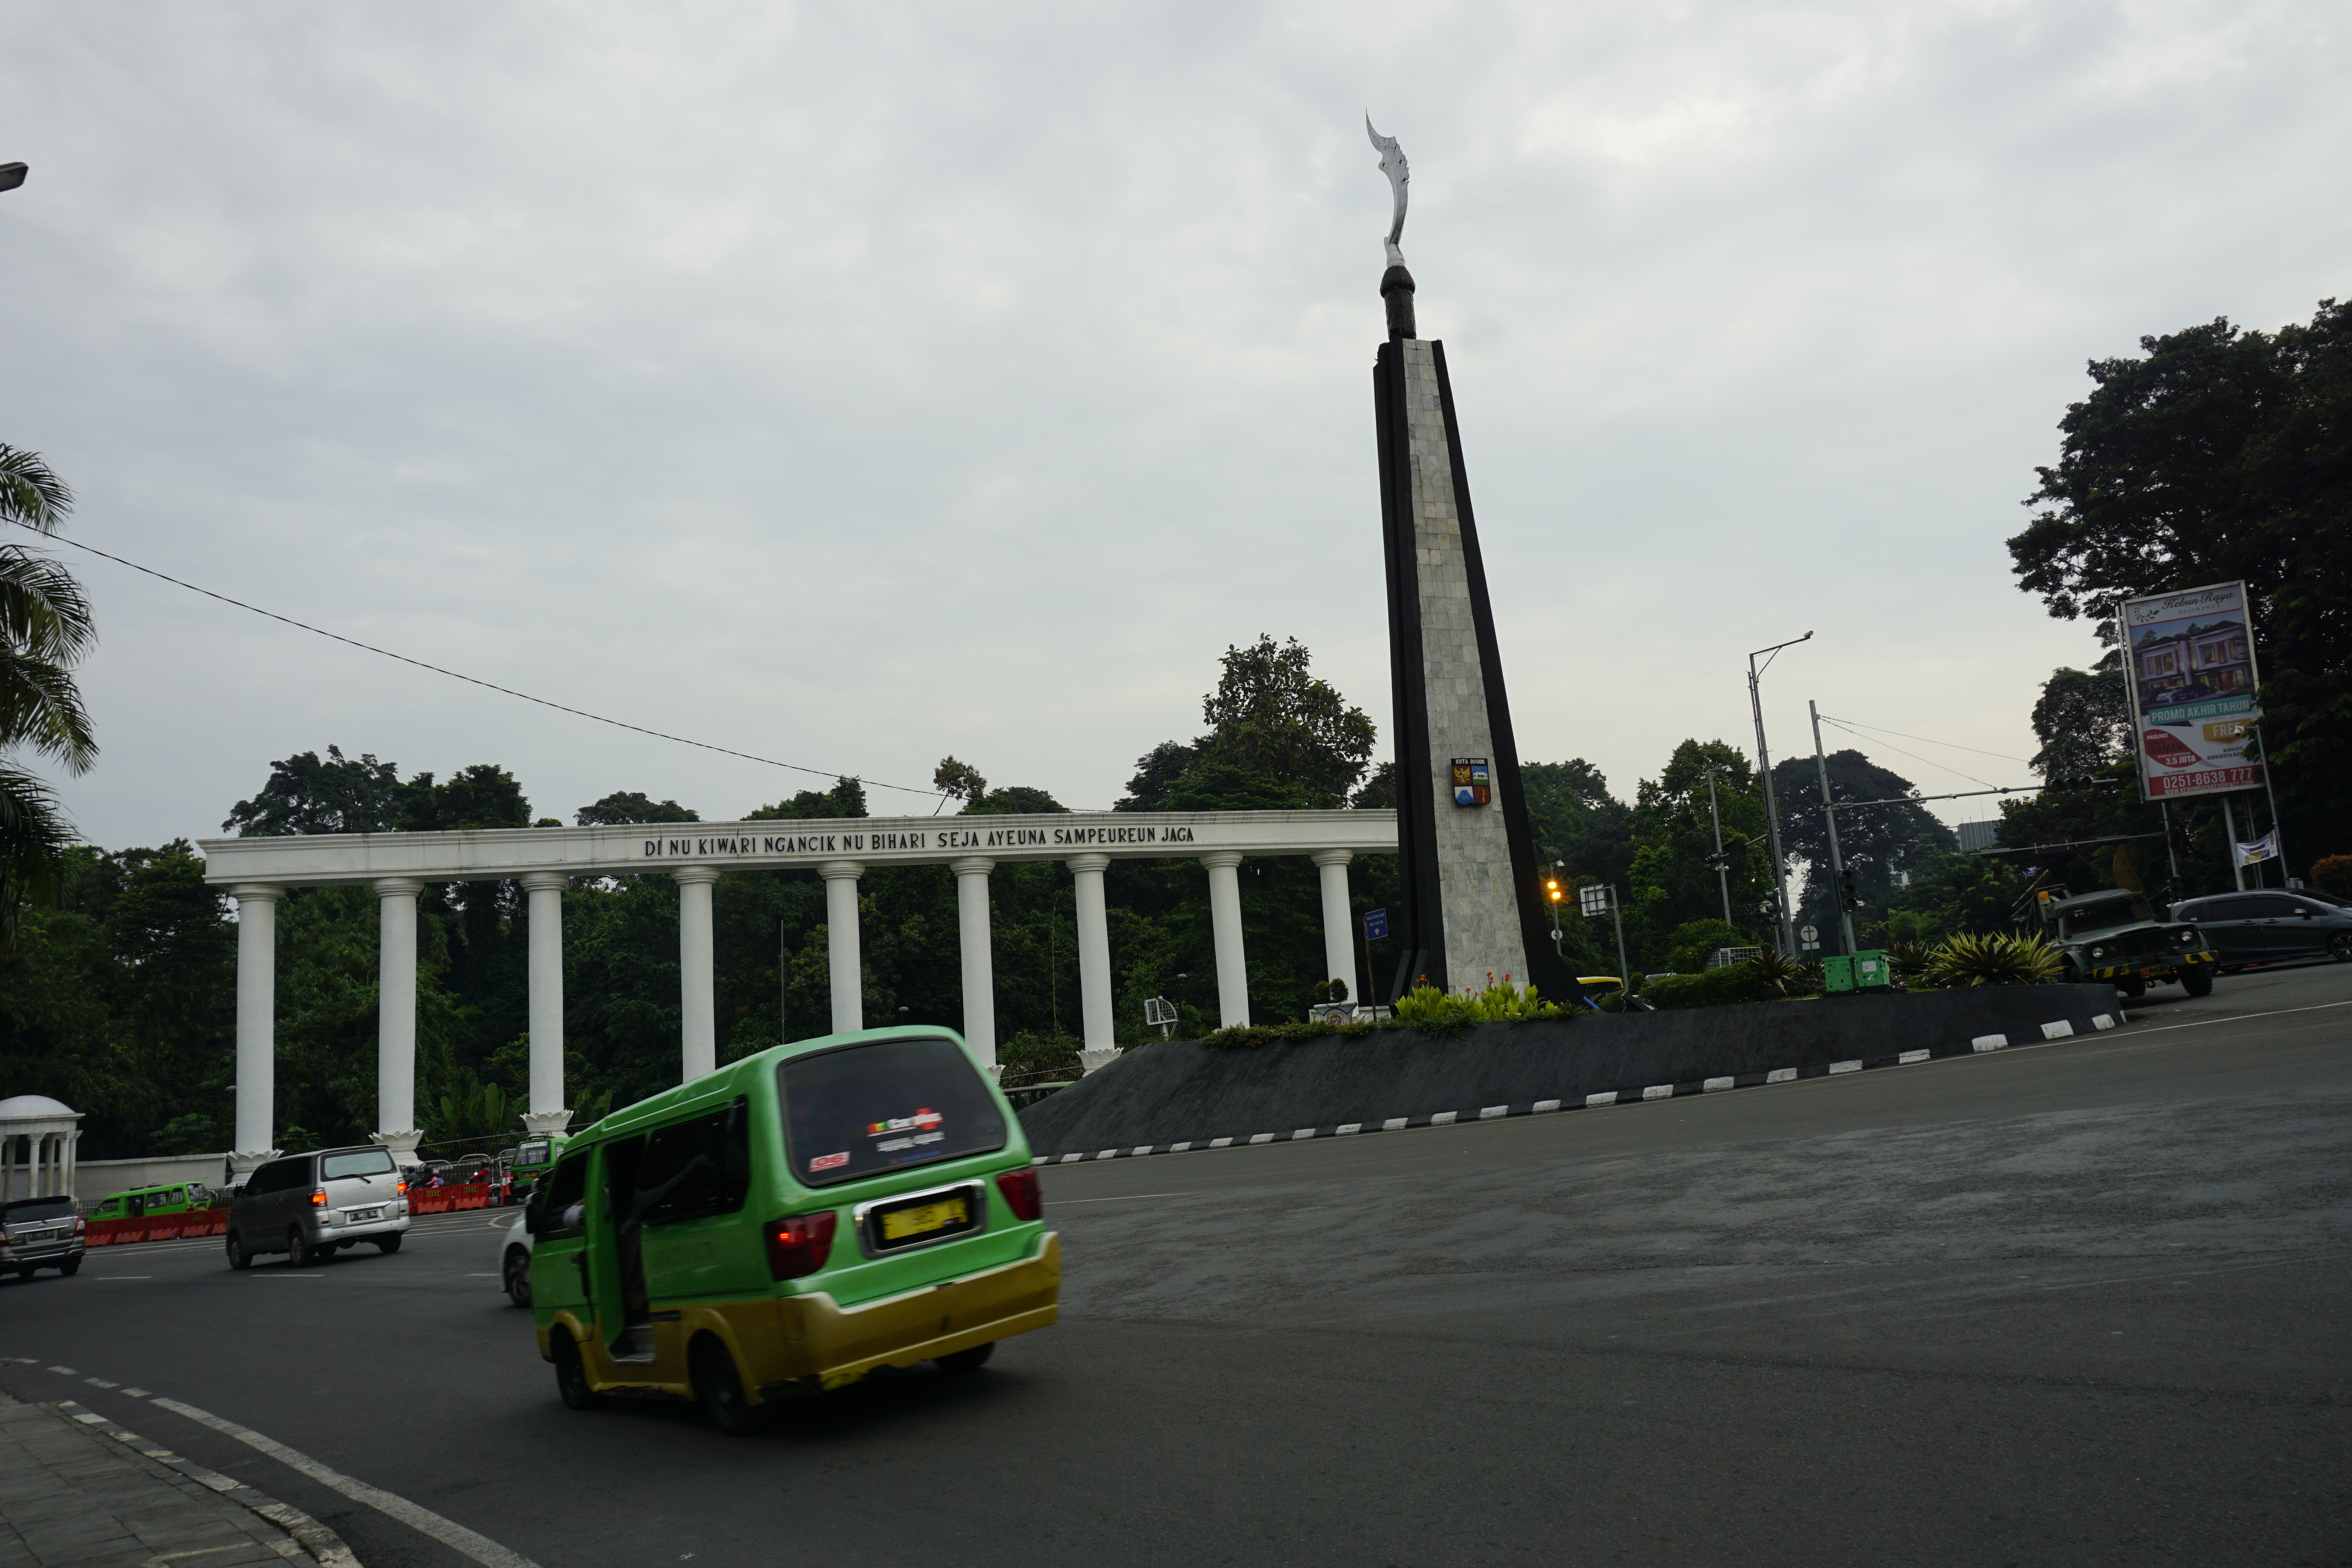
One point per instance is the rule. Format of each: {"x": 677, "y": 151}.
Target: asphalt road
{"x": 2081, "y": 1303}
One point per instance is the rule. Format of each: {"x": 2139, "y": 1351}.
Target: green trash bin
{"x": 1873, "y": 970}
{"x": 1837, "y": 974}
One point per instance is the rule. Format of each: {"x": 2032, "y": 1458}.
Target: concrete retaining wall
{"x": 1179, "y": 1092}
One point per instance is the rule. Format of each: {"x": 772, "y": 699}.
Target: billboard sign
{"x": 2188, "y": 661}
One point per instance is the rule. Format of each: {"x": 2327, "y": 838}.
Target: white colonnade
{"x": 258, "y": 871}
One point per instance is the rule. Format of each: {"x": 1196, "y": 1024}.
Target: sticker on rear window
{"x": 829, "y": 1161}
{"x": 923, "y": 1120}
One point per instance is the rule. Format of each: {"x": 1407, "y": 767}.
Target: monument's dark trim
{"x": 1550, "y": 976}
{"x": 1420, "y": 927}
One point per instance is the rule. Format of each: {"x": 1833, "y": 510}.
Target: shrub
{"x": 2333, "y": 874}
{"x": 1710, "y": 988}
{"x": 1914, "y": 963}
{"x": 1995, "y": 960}
{"x": 1250, "y": 1036}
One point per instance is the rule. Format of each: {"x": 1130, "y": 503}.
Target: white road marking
{"x": 2240, "y": 1017}
{"x": 101, "y": 1382}
{"x": 455, "y": 1536}
{"x": 1064, "y": 1203}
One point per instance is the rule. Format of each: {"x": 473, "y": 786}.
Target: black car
{"x": 2272, "y": 927}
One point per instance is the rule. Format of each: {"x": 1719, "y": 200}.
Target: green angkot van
{"x": 789, "y": 1224}
{"x": 141, "y": 1203}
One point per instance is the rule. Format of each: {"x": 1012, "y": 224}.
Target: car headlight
{"x": 2187, "y": 937}
{"x": 2098, "y": 952}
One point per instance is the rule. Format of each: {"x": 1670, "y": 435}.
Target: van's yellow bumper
{"x": 818, "y": 1345}
{"x": 789, "y": 1347}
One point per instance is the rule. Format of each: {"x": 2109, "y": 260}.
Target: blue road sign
{"x": 1376, "y": 925}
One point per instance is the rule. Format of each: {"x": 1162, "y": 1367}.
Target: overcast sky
{"x": 856, "y": 385}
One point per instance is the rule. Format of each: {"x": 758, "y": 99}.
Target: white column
{"x": 1339, "y": 927}
{"x": 696, "y": 1005}
{"x": 40, "y": 1164}
{"x": 256, "y": 1023}
{"x": 73, "y": 1159}
{"x": 1100, "y": 1048}
{"x": 1225, "y": 925}
{"x": 547, "y": 1113}
{"x": 395, "y": 1018}
{"x": 840, "y": 943}
{"x": 979, "y": 961}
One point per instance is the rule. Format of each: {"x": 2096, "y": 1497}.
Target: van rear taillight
{"x": 319, "y": 1197}
{"x": 1022, "y": 1194}
{"x": 799, "y": 1246}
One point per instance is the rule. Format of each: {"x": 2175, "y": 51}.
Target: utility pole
{"x": 2263, "y": 747}
{"x": 1829, "y": 814}
{"x": 2230, "y": 828}
{"x": 1722, "y": 867}
{"x": 1786, "y": 933}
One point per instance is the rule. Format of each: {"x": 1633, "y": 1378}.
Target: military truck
{"x": 2114, "y": 934}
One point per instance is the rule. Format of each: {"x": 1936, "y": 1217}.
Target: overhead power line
{"x": 1929, "y": 740}
{"x": 471, "y": 680}
{"x": 1913, "y": 755}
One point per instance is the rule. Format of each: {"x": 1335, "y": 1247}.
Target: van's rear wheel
{"x": 388, "y": 1245}
{"x": 238, "y": 1257}
{"x": 962, "y": 1361}
{"x": 70, "y": 1268}
{"x": 298, "y": 1251}
{"x": 571, "y": 1375}
{"x": 719, "y": 1387}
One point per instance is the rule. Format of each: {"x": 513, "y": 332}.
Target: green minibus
{"x": 789, "y": 1224}
{"x": 139, "y": 1203}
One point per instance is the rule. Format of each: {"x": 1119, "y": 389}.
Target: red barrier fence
{"x": 440, "y": 1200}
{"x": 157, "y": 1227}
{"x": 214, "y": 1222}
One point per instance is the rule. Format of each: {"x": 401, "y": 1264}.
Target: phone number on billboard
{"x": 2210, "y": 778}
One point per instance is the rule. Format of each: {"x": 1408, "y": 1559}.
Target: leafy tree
{"x": 959, "y": 781}
{"x": 845, "y": 798}
{"x": 304, "y": 795}
{"x": 1669, "y": 881}
{"x": 1882, "y": 846}
{"x": 1578, "y": 825}
{"x": 631, "y": 807}
{"x": 1694, "y": 942}
{"x": 482, "y": 795}
{"x": 2223, "y": 454}
{"x": 1270, "y": 715}
{"x": 45, "y": 629}
{"x": 1155, "y": 771}
{"x": 1015, "y": 800}
{"x": 2083, "y": 721}
{"x": 1949, "y": 893}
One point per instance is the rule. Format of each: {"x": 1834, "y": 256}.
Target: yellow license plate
{"x": 900, "y": 1223}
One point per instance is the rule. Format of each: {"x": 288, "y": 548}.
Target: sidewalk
{"x": 70, "y": 1493}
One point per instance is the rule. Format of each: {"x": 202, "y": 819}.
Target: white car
{"x": 514, "y": 1261}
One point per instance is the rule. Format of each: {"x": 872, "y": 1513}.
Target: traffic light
{"x": 1848, "y": 900}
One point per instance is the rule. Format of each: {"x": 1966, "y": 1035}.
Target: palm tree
{"x": 44, "y": 628}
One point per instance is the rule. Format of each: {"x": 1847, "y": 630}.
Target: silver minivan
{"x": 310, "y": 1205}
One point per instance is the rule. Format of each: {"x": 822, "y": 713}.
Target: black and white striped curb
{"x": 325, "y": 1547}
{"x": 1982, "y": 1043}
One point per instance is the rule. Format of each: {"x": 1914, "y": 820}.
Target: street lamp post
{"x": 1786, "y": 937}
